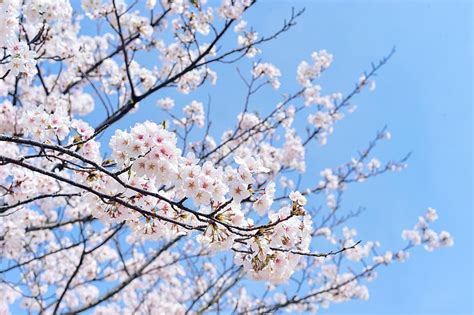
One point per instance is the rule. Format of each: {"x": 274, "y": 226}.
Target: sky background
{"x": 424, "y": 95}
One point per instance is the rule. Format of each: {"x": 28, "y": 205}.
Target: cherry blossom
{"x": 166, "y": 214}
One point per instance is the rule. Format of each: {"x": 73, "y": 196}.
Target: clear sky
{"x": 424, "y": 95}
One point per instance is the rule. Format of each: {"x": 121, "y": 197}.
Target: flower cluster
{"x": 275, "y": 251}
{"x": 233, "y": 9}
{"x": 194, "y": 114}
{"x": 8, "y": 116}
{"x": 148, "y": 148}
{"x": 166, "y": 103}
{"x": 42, "y": 125}
{"x": 247, "y": 41}
{"x": 268, "y": 70}
{"x": 22, "y": 59}
{"x": 8, "y": 21}
{"x": 150, "y": 152}
{"x": 422, "y": 234}
{"x": 306, "y": 72}
{"x": 265, "y": 201}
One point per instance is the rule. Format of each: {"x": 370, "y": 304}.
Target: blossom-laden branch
{"x": 159, "y": 222}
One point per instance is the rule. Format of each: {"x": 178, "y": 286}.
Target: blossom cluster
{"x": 268, "y": 70}
{"x": 422, "y": 234}
{"x": 42, "y": 126}
{"x": 306, "y": 72}
{"x": 9, "y": 10}
{"x": 22, "y": 59}
{"x": 149, "y": 151}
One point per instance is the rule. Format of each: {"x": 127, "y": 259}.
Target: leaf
{"x": 92, "y": 177}
{"x": 195, "y": 3}
{"x": 108, "y": 162}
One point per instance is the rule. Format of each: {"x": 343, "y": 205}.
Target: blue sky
{"x": 424, "y": 95}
